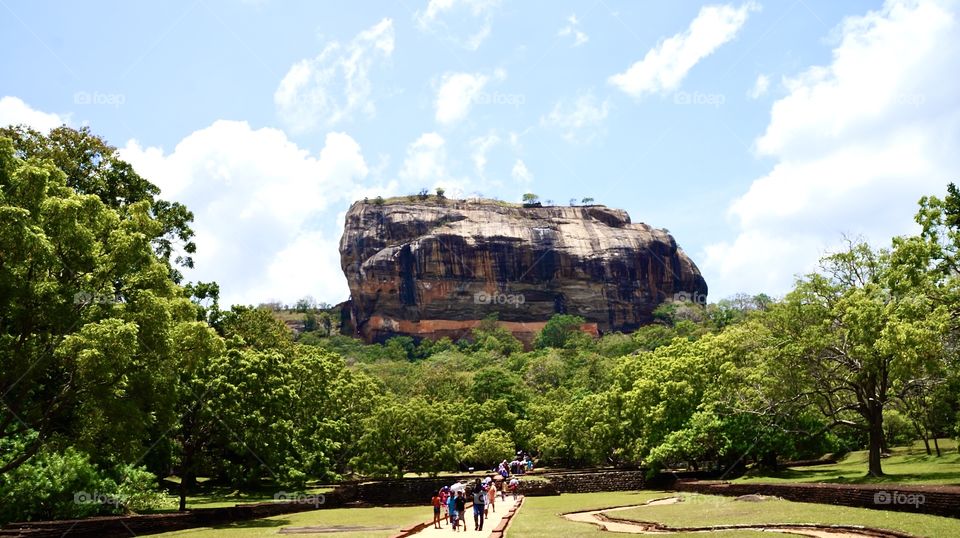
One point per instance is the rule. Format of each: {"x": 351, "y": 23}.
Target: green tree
{"x": 490, "y": 336}
{"x": 489, "y": 448}
{"x": 196, "y": 344}
{"x": 87, "y": 307}
{"x": 497, "y": 383}
{"x": 91, "y": 166}
{"x": 256, "y": 328}
{"x": 559, "y": 331}
{"x": 409, "y": 436}
{"x": 857, "y": 335}
{"x": 252, "y": 397}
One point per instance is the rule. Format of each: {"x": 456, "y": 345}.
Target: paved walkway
{"x": 489, "y": 523}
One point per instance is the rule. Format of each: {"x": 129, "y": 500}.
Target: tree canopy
{"x": 115, "y": 374}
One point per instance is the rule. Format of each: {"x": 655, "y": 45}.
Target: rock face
{"x": 436, "y": 267}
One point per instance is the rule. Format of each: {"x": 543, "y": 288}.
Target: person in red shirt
{"x": 436, "y": 511}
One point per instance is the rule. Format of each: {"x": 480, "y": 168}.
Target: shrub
{"x": 56, "y": 485}
{"x": 139, "y": 491}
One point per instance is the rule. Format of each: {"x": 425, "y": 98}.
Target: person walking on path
{"x": 444, "y": 497}
{"x": 461, "y": 507}
{"x": 435, "y": 501}
{"x": 514, "y": 485}
{"x": 479, "y": 501}
{"x": 452, "y": 510}
{"x": 491, "y": 497}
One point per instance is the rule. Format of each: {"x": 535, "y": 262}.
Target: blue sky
{"x": 757, "y": 132}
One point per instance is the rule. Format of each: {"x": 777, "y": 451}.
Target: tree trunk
{"x": 769, "y": 461}
{"x": 935, "y": 444}
{"x": 187, "y": 482}
{"x": 875, "y": 418}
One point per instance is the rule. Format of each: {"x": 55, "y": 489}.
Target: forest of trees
{"x": 115, "y": 373}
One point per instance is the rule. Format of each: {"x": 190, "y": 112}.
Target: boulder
{"x": 437, "y": 267}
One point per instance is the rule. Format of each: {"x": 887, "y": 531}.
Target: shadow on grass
{"x": 254, "y": 524}
{"x": 838, "y": 476}
{"x": 948, "y": 478}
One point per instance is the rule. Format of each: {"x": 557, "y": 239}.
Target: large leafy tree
{"x": 92, "y": 166}
{"x": 407, "y": 436}
{"x": 87, "y": 304}
{"x": 855, "y": 337}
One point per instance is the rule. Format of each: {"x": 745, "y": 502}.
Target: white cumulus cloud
{"x": 666, "y": 65}
{"x": 264, "y": 208}
{"x": 426, "y": 159}
{"x": 13, "y": 111}
{"x": 521, "y": 173}
{"x": 855, "y": 144}
{"x": 760, "y": 87}
{"x": 481, "y": 146}
{"x": 572, "y": 29}
{"x": 457, "y": 94}
{"x": 330, "y": 88}
{"x": 579, "y": 121}
{"x": 467, "y": 23}
{"x": 427, "y": 165}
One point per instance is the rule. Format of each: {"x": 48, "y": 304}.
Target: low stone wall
{"x": 598, "y": 481}
{"x": 933, "y": 500}
{"x": 538, "y": 488}
{"x": 420, "y": 490}
{"x": 666, "y": 479}
{"x": 408, "y": 491}
{"x": 126, "y": 526}
{"x": 405, "y": 491}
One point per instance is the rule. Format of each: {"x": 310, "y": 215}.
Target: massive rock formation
{"x": 436, "y": 267}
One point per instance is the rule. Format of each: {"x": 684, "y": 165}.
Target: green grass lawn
{"x": 906, "y": 465}
{"x": 392, "y": 518}
{"x": 707, "y": 510}
{"x": 540, "y": 517}
{"x": 219, "y": 497}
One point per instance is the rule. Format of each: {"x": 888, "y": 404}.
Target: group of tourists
{"x": 522, "y": 464}
{"x": 450, "y": 503}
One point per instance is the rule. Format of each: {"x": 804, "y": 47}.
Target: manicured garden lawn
{"x": 392, "y": 519}
{"x": 906, "y": 465}
{"x": 219, "y": 497}
{"x": 707, "y": 510}
{"x": 540, "y": 517}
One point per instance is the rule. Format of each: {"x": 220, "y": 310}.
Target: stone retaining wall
{"x": 933, "y": 500}
{"x": 404, "y": 491}
{"x": 407, "y": 491}
{"x": 598, "y": 481}
{"x": 420, "y": 490}
{"x": 126, "y": 526}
